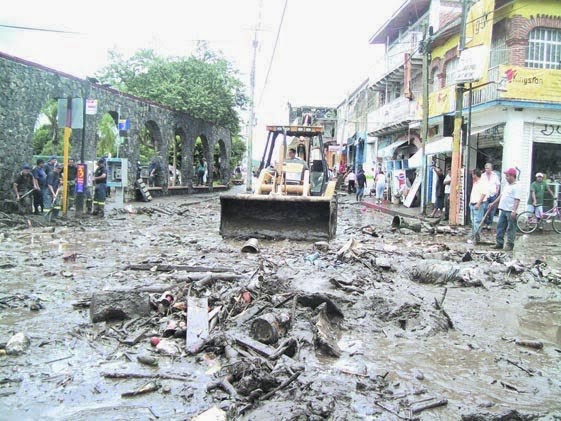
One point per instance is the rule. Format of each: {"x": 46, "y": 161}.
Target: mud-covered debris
{"x": 529, "y": 344}
{"x": 321, "y": 245}
{"x": 269, "y": 327}
{"x": 510, "y": 415}
{"x": 118, "y": 305}
{"x": 383, "y": 263}
{"x": 325, "y": 333}
{"x": 147, "y": 360}
{"x": 212, "y": 414}
{"x": 17, "y": 344}
{"x": 146, "y": 388}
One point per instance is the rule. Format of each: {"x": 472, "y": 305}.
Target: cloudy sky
{"x": 322, "y": 53}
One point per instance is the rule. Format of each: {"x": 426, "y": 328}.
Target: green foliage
{"x": 204, "y": 85}
{"x": 106, "y": 133}
{"x": 146, "y": 143}
{"x": 47, "y": 139}
{"x": 238, "y": 151}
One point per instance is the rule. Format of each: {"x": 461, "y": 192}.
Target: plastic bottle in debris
{"x": 312, "y": 257}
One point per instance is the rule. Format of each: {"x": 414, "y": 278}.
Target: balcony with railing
{"x": 408, "y": 43}
{"x": 392, "y": 114}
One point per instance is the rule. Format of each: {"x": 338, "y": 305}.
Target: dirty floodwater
{"x": 428, "y": 319}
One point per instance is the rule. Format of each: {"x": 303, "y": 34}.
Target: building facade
{"x": 511, "y": 95}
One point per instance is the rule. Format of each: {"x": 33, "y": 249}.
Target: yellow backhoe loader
{"x": 293, "y": 196}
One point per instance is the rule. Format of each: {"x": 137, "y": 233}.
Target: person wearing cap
{"x": 537, "y": 193}
{"x": 40, "y": 176}
{"x": 492, "y": 184}
{"x": 100, "y": 192}
{"x": 51, "y": 164}
{"x": 53, "y": 192}
{"x": 508, "y": 202}
{"x": 24, "y": 185}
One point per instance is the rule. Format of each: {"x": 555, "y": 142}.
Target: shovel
{"x": 26, "y": 194}
{"x": 481, "y": 223}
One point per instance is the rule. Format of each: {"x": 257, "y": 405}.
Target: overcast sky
{"x": 322, "y": 54}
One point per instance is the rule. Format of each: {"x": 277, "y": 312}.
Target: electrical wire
{"x": 272, "y": 55}
{"x": 29, "y": 28}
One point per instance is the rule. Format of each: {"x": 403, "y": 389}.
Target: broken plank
{"x": 197, "y": 323}
{"x": 257, "y": 346}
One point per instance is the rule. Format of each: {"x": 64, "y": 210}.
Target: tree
{"x": 204, "y": 85}
{"x": 107, "y": 133}
{"x": 238, "y": 151}
{"x": 46, "y": 137}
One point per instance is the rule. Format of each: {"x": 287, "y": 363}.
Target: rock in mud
{"x": 17, "y": 344}
{"x": 119, "y": 305}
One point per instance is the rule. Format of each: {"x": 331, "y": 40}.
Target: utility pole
{"x": 456, "y": 142}
{"x": 249, "y": 175}
{"x": 425, "y": 118}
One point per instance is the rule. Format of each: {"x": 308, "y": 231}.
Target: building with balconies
{"x": 397, "y": 85}
{"x": 512, "y": 112}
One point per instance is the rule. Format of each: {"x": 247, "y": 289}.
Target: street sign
{"x": 91, "y": 106}
{"x": 124, "y": 124}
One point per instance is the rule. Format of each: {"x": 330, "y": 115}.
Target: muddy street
{"x": 377, "y": 324}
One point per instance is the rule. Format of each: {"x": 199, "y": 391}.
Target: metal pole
{"x": 456, "y": 155}
{"x": 249, "y": 176}
{"x": 80, "y": 196}
{"x": 425, "y": 121}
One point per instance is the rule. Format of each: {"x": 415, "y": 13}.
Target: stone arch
{"x": 206, "y": 154}
{"x": 222, "y": 161}
{"x": 155, "y": 140}
{"x": 175, "y": 154}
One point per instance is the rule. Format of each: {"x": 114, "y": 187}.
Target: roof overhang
{"x": 410, "y": 11}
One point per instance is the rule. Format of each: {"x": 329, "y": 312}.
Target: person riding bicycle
{"x": 537, "y": 193}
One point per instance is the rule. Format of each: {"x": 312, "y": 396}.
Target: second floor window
{"x": 544, "y": 49}
{"x": 451, "y": 69}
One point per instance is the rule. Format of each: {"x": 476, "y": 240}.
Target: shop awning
{"x": 443, "y": 145}
{"x": 387, "y": 152}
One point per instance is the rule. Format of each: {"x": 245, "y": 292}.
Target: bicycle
{"x": 527, "y": 222}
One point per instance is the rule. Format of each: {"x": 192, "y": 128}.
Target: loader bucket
{"x": 310, "y": 218}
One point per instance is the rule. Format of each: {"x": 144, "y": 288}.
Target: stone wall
{"x": 25, "y": 89}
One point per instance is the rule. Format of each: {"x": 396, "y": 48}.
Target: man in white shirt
{"x": 493, "y": 186}
{"x": 508, "y": 202}
{"x": 447, "y": 182}
{"x": 476, "y": 200}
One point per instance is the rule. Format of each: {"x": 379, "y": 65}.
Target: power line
{"x": 29, "y": 28}
{"x": 272, "y": 55}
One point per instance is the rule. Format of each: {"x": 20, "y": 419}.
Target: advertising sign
{"x": 81, "y": 178}
{"x": 531, "y": 84}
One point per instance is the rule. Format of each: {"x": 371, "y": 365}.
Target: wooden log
{"x": 170, "y": 268}
{"x": 429, "y": 405}
{"x": 197, "y": 324}
{"x": 118, "y": 305}
{"x": 269, "y": 327}
{"x": 529, "y": 344}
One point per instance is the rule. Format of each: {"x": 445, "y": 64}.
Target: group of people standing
{"x": 357, "y": 183}
{"x": 488, "y": 195}
{"x": 39, "y": 190}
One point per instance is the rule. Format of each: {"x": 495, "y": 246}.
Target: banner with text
{"x": 531, "y": 84}
{"x": 474, "y": 59}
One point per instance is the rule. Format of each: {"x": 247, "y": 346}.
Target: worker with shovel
{"x": 476, "y": 200}
{"x": 24, "y": 185}
{"x": 52, "y": 206}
